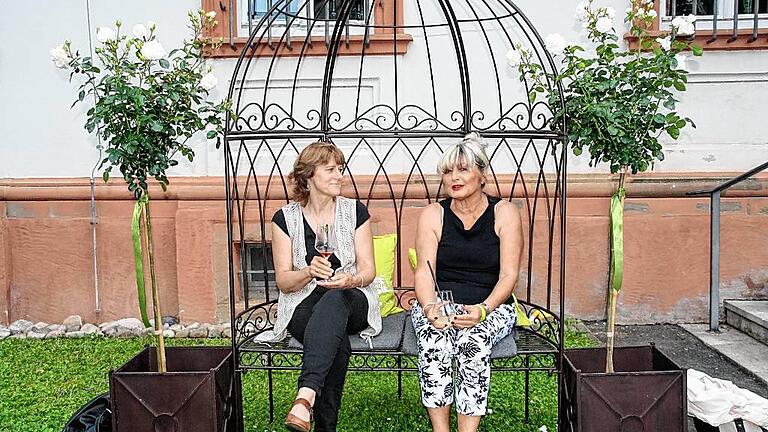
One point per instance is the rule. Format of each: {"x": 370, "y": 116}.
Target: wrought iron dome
{"x": 393, "y": 83}
{"x": 379, "y": 68}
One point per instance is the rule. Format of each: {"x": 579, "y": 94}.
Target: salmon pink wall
{"x": 46, "y": 251}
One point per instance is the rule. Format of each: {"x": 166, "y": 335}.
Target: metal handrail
{"x": 714, "y": 241}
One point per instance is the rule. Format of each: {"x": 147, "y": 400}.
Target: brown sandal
{"x": 296, "y": 424}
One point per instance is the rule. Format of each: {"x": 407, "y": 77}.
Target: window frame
{"x": 381, "y": 42}
{"x": 724, "y": 40}
{"x": 253, "y": 277}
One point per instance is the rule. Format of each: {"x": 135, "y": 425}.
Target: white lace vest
{"x": 344, "y": 225}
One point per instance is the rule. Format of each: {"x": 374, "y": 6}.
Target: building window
{"x": 258, "y": 261}
{"x": 237, "y": 17}
{"x": 723, "y": 11}
{"x": 298, "y": 14}
{"x": 319, "y": 9}
{"x": 720, "y": 24}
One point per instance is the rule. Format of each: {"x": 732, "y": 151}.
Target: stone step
{"x": 749, "y": 316}
{"x": 739, "y": 347}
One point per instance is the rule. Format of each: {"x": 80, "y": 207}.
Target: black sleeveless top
{"x": 468, "y": 260}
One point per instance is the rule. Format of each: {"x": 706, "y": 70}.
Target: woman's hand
{"x": 432, "y": 312}
{"x": 341, "y": 280}
{"x": 469, "y": 319}
{"x": 320, "y": 268}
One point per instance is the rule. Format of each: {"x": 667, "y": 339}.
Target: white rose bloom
{"x": 543, "y": 428}
{"x": 140, "y": 31}
{"x": 582, "y": 11}
{"x": 555, "y": 43}
{"x": 59, "y": 56}
{"x": 514, "y": 58}
{"x": 604, "y": 25}
{"x": 611, "y": 12}
{"x": 151, "y": 25}
{"x": 690, "y": 19}
{"x": 686, "y": 29}
{"x": 209, "y": 81}
{"x": 105, "y": 34}
{"x": 665, "y": 42}
{"x": 628, "y": 11}
{"x": 682, "y": 61}
{"x": 211, "y": 15}
{"x": 152, "y": 50}
{"x": 652, "y": 13}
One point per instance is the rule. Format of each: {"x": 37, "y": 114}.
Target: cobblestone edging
{"x": 73, "y": 327}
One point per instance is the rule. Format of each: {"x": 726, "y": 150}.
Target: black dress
{"x": 468, "y": 261}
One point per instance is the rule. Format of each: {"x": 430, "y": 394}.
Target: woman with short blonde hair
{"x": 474, "y": 242}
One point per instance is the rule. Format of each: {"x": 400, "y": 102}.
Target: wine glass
{"x": 325, "y": 241}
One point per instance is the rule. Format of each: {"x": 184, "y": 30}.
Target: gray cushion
{"x": 389, "y": 339}
{"x": 504, "y": 348}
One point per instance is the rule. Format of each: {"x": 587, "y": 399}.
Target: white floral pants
{"x": 471, "y": 348}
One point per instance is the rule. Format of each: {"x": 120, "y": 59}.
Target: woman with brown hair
{"x": 322, "y": 300}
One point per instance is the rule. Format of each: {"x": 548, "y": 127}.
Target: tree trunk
{"x": 161, "y": 366}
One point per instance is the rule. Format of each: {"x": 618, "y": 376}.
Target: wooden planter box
{"x": 647, "y": 393}
{"x": 198, "y": 393}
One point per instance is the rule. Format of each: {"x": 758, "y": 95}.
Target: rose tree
{"x": 617, "y": 103}
{"x": 148, "y": 104}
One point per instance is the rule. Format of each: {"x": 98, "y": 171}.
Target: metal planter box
{"x": 647, "y": 393}
{"x": 198, "y": 393}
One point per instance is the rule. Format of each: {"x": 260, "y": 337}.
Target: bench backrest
{"x": 395, "y": 179}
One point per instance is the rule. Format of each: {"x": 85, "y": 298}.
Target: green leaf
{"x": 164, "y": 63}
{"x": 138, "y": 259}
{"x": 697, "y": 50}
{"x": 105, "y": 176}
{"x": 157, "y": 127}
{"x": 674, "y": 132}
{"x": 211, "y": 134}
{"x": 679, "y": 86}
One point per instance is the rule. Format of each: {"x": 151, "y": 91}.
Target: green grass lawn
{"x": 42, "y": 382}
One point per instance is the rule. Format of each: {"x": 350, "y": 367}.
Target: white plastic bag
{"x": 720, "y": 402}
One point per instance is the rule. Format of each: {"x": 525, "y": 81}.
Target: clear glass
{"x": 325, "y": 240}
{"x": 447, "y": 308}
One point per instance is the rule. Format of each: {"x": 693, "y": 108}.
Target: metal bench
{"x": 394, "y": 350}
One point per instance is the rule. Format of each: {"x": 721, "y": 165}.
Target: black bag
{"x": 94, "y": 416}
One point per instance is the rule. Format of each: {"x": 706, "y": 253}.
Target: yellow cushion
{"x": 412, "y": 258}
{"x": 384, "y": 254}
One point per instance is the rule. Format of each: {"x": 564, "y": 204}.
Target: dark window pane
{"x": 685, "y": 7}
{"x": 256, "y": 260}
{"x": 332, "y": 6}
{"x": 748, "y": 6}
{"x": 259, "y": 8}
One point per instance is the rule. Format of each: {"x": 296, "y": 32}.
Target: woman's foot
{"x": 300, "y": 416}
{"x": 300, "y": 410}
